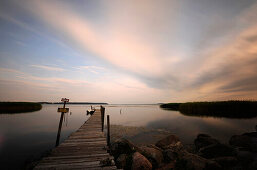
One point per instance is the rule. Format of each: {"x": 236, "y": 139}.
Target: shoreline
{"x": 205, "y": 152}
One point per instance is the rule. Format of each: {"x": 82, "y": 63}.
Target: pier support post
{"x": 108, "y": 130}
{"x": 102, "y": 117}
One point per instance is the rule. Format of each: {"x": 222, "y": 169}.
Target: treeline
{"x": 19, "y": 107}
{"x": 230, "y": 109}
{"x": 86, "y": 103}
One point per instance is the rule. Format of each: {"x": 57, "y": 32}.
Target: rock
{"x": 153, "y": 154}
{"x": 204, "y": 140}
{"x": 245, "y": 156}
{"x": 217, "y": 150}
{"x": 121, "y": 161}
{"x": 140, "y": 162}
{"x": 122, "y": 146}
{"x": 253, "y": 166}
{"x": 107, "y": 162}
{"x": 170, "y": 155}
{"x": 247, "y": 140}
{"x": 173, "y": 152}
{"x": 195, "y": 162}
{"x": 251, "y": 134}
{"x": 226, "y": 162}
{"x": 168, "y": 166}
{"x": 170, "y": 140}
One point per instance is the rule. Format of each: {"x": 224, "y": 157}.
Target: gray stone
{"x": 168, "y": 141}
{"x": 226, "y": 162}
{"x": 121, "y": 161}
{"x": 122, "y": 146}
{"x": 153, "y": 154}
{"x": 204, "y": 140}
{"x": 140, "y": 162}
{"x": 247, "y": 140}
{"x": 217, "y": 150}
{"x": 245, "y": 156}
{"x": 168, "y": 166}
{"x": 170, "y": 155}
{"x": 195, "y": 162}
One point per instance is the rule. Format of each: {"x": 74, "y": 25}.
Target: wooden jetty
{"x": 84, "y": 149}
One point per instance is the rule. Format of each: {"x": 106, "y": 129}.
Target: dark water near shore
{"x": 24, "y": 137}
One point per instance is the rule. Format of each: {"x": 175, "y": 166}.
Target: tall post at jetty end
{"x": 63, "y": 110}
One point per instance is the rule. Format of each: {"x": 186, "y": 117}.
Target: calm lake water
{"x": 26, "y": 136}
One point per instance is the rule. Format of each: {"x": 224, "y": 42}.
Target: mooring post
{"x": 102, "y": 117}
{"x": 60, "y": 126}
{"x": 108, "y": 130}
{"x": 59, "y": 129}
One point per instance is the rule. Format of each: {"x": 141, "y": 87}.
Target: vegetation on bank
{"x": 19, "y": 107}
{"x": 229, "y": 109}
{"x": 171, "y": 106}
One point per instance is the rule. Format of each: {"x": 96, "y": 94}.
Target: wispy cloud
{"x": 93, "y": 69}
{"x": 48, "y": 68}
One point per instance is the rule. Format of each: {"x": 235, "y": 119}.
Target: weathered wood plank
{"x": 84, "y": 149}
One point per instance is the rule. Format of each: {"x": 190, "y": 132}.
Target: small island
{"x": 229, "y": 109}
{"x": 19, "y": 107}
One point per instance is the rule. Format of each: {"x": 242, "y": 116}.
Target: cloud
{"x": 122, "y": 48}
{"x": 168, "y": 48}
{"x": 48, "y": 68}
{"x": 93, "y": 69}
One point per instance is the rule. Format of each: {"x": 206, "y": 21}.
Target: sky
{"x": 128, "y": 51}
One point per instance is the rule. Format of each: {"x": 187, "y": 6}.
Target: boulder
{"x": 170, "y": 140}
{"x": 217, "y": 150}
{"x": 122, "y": 146}
{"x": 121, "y": 161}
{"x": 204, "y": 140}
{"x": 153, "y": 154}
{"x": 195, "y": 162}
{"x": 226, "y": 162}
{"x": 170, "y": 155}
{"x": 247, "y": 140}
{"x": 245, "y": 156}
{"x": 253, "y": 165}
{"x": 140, "y": 162}
{"x": 168, "y": 166}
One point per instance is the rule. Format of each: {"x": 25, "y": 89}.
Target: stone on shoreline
{"x": 140, "y": 162}
{"x": 153, "y": 154}
{"x": 246, "y": 140}
{"x": 204, "y": 140}
{"x": 226, "y": 162}
{"x": 195, "y": 162}
{"x": 170, "y": 140}
{"x": 121, "y": 161}
{"x": 122, "y": 146}
{"x": 217, "y": 150}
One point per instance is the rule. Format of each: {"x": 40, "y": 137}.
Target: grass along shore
{"x": 229, "y": 109}
{"x": 19, "y": 107}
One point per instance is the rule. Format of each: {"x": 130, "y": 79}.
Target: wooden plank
{"x": 84, "y": 149}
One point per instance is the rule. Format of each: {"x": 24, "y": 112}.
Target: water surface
{"x": 25, "y": 136}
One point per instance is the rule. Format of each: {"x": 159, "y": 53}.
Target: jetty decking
{"x": 84, "y": 149}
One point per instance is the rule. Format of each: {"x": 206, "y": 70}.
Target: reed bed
{"x": 229, "y": 109}
{"x": 19, "y": 107}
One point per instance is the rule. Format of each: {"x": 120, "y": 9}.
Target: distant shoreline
{"x": 19, "y": 107}
{"x": 86, "y": 103}
{"x": 228, "y": 109}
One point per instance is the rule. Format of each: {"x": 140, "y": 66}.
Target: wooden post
{"x": 60, "y": 127}
{"x": 108, "y": 130}
{"x": 102, "y": 117}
